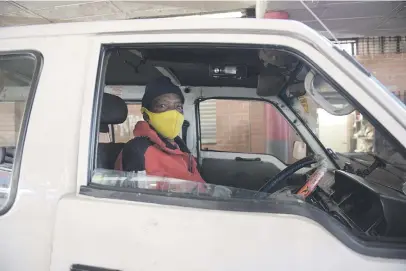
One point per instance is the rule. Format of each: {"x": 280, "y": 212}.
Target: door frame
{"x": 320, "y": 52}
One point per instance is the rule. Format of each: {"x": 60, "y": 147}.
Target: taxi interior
{"x": 367, "y": 209}
{"x": 193, "y": 70}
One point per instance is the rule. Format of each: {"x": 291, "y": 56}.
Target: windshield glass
{"x": 340, "y": 127}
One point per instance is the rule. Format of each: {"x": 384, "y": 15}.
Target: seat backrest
{"x": 114, "y": 111}
{"x": 107, "y": 154}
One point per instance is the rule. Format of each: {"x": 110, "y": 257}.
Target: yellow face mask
{"x": 168, "y": 123}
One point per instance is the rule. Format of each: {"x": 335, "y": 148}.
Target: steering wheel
{"x": 286, "y": 173}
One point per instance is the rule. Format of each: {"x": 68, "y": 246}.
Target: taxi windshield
{"x": 343, "y": 130}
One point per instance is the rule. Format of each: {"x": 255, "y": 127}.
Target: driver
{"x": 156, "y": 147}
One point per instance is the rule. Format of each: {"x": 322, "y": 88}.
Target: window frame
{"x": 356, "y": 242}
{"x": 15, "y": 175}
{"x": 105, "y": 52}
{"x": 274, "y": 105}
{"x": 357, "y": 105}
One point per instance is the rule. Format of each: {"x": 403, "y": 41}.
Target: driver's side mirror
{"x": 299, "y": 150}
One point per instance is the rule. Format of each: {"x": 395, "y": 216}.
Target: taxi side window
{"x": 18, "y": 78}
{"x": 246, "y": 126}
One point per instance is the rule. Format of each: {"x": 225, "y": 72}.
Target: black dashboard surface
{"x": 370, "y": 207}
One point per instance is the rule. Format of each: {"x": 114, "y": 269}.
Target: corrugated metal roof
{"x": 43, "y": 12}
{"x": 347, "y": 19}
{"x": 344, "y": 18}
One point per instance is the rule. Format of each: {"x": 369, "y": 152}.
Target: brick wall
{"x": 390, "y": 69}
{"x": 232, "y": 127}
{"x": 257, "y": 127}
{"x": 241, "y": 127}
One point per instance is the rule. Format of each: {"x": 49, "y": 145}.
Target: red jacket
{"x": 150, "y": 152}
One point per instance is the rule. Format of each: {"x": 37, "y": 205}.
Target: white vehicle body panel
{"x": 156, "y": 237}
{"x": 49, "y": 163}
{"x": 51, "y": 226}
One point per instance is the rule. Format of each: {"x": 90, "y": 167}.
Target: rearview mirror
{"x": 325, "y": 95}
{"x": 299, "y": 150}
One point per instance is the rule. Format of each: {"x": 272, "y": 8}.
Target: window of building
{"x": 246, "y": 127}
{"x": 18, "y": 77}
{"x": 350, "y": 46}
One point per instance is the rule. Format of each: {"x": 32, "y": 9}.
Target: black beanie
{"x": 161, "y": 85}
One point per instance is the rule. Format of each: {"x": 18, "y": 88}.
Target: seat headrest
{"x": 114, "y": 110}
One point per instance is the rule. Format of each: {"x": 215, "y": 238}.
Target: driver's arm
{"x": 133, "y": 158}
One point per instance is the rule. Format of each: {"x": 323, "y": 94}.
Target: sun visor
{"x": 270, "y": 84}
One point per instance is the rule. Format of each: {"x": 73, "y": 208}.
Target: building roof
{"x": 344, "y": 18}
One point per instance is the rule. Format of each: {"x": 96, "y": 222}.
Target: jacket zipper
{"x": 190, "y": 163}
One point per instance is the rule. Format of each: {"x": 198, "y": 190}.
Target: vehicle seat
{"x": 114, "y": 111}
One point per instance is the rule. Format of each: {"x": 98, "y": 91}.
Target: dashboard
{"x": 366, "y": 206}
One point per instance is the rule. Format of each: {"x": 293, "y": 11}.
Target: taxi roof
{"x": 175, "y": 25}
